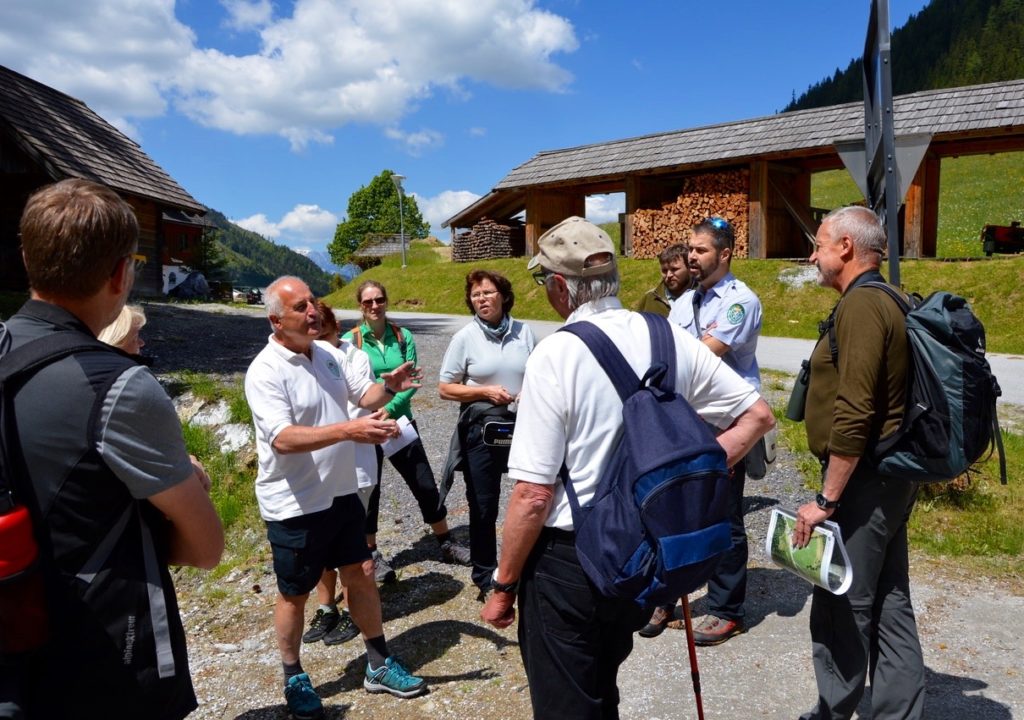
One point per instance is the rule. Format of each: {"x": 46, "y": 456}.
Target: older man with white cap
{"x": 573, "y": 639}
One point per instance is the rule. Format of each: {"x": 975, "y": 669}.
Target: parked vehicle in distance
{"x": 1002, "y": 238}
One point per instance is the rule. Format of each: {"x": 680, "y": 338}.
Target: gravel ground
{"x": 431, "y": 614}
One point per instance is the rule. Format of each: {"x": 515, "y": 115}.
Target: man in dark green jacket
{"x": 855, "y": 396}
{"x": 675, "y": 280}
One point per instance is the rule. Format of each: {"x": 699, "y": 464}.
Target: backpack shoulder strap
{"x": 892, "y": 292}
{"x": 34, "y": 355}
{"x": 400, "y": 337}
{"x": 607, "y": 355}
{"x": 663, "y": 351}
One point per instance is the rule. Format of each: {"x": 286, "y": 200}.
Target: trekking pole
{"x": 691, "y": 646}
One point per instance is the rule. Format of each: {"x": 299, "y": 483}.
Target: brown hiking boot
{"x": 715, "y": 630}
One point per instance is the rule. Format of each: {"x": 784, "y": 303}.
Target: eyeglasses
{"x": 369, "y": 302}
{"x": 140, "y": 262}
{"x": 541, "y": 276}
{"x": 481, "y": 294}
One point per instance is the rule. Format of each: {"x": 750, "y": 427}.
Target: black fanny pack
{"x": 497, "y": 427}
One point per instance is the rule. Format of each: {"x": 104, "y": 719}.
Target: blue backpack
{"x": 658, "y": 521}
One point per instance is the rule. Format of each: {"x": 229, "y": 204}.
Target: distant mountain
{"x": 950, "y": 43}
{"x": 252, "y": 260}
{"x": 323, "y": 261}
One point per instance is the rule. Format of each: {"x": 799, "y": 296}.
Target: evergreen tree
{"x": 374, "y": 209}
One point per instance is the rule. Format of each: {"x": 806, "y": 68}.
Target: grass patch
{"x": 232, "y": 489}
{"x": 204, "y": 387}
{"x": 993, "y": 288}
{"x": 979, "y": 519}
{"x": 974, "y": 191}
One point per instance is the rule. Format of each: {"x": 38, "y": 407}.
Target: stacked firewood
{"x": 485, "y": 240}
{"x": 722, "y": 194}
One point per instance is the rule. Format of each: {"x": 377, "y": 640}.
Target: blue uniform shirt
{"x": 730, "y": 313}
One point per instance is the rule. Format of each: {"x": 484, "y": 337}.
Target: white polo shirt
{"x": 285, "y": 388}
{"x": 365, "y": 453}
{"x": 569, "y": 409}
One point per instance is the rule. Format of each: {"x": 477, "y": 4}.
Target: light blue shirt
{"x": 730, "y": 313}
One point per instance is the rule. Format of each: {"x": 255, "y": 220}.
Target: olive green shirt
{"x": 850, "y": 406}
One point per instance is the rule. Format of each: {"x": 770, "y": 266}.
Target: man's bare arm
{"x": 197, "y": 537}
{"x": 747, "y": 430}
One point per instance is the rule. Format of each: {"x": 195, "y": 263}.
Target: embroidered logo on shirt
{"x": 735, "y": 314}
{"x": 333, "y": 367}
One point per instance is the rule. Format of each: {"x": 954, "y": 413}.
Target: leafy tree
{"x": 209, "y": 256}
{"x": 374, "y": 208}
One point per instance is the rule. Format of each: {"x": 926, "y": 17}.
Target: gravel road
{"x": 969, "y": 629}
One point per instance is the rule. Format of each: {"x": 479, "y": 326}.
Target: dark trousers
{"x": 727, "y": 587}
{"x": 572, "y": 639}
{"x": 483, "y": 467}
{"x": 412, "y": 464}
{"x": 870, "y": 629}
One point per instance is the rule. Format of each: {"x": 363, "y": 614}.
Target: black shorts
{"x": 304, "y": 546}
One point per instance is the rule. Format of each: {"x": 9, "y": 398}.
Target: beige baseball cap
{"x": 565, "y": 248}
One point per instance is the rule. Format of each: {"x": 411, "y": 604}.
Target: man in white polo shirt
{"x": 306, "y": 486}
{"x": 572, "y": 639}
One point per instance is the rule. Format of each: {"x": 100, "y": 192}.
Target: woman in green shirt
{"x": 388, "y": 346}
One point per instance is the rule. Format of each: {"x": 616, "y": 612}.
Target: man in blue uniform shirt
{"x": 725, "y": 315}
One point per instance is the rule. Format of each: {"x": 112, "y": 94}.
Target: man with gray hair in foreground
{"x": 306, "y": 486}
{"x": 853, "y": 399}
{"x": 573, "y": 639}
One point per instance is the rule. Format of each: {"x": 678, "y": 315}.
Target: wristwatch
{"x": 824, "y": 503}
{"x": 510, "y": 588}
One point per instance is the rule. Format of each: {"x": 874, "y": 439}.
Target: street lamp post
{"x": 397, "y": 180}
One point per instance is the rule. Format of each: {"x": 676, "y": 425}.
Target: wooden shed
{"x": 46, "y": 136}
{"x": 775, "y": 156}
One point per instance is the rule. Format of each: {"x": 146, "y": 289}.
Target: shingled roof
{"x": 69, "y": 140}
{"x": 804, "y": 132}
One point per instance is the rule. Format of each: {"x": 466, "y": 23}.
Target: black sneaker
{"x": 455, "y": 554}
{"x": 321, "y": 624}
{"x": 344, "y": 631}
{"x": 659, "y": 620}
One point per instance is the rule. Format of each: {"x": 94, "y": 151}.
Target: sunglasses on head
{"x": 717, "y": 223}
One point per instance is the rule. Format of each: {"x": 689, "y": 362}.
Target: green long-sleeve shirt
{"x": 385, "y": 356}
{"x": 850, "y": 406}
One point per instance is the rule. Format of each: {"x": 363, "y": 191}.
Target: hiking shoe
{"x": 344, "y": 631}
{"x": 392, "y": 678}
{"x": 382, "y": 571}
{"x": 715, "y": 630}
{"x": 455, "y": 554}
{"x": 659, "y": 619}
{"x": 302, "y": 700}
{"x": 321, "y": 624}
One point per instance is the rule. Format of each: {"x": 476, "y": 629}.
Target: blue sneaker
{"x": 393, "y": 678}
{"x": 302, "y": 700}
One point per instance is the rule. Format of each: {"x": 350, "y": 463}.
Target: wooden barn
{"x": 756, "y": 173}
{"x": 46, "y": 136}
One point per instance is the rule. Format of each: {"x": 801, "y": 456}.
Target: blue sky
{"x": 274, "y": 113}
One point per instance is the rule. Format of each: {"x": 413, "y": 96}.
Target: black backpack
{"x": 950, "y": 420}
{"x": 659, "y": 518}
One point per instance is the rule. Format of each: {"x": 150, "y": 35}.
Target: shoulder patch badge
{"x": 735, "y": 314}
{"x": 336, "y": 371}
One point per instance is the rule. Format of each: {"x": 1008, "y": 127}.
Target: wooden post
{"x": 921, "y": 211}
{"x": 757, "y": 211}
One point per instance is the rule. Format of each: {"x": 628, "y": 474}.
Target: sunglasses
{"x": 370, "y": 302}
{"x": 717, "y": 223}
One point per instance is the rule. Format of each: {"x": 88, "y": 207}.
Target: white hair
{"x": 587, "y": 289}
{"x": 131, "y": 318}
{"x": 272, "y": 297}
{"x": 862, "y": 226}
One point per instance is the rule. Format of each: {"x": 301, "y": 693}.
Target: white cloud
{"x": 248, "y": 14}
{"x": 437, "y": 209}
{"x": 259, "y": 223}
{"x": 415, "y": 143}
{"x": 477, "y": 131}
{"x": 329, "y": 63}
{"x": 302, "y": 227}
{"x": 605, "y": 208}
